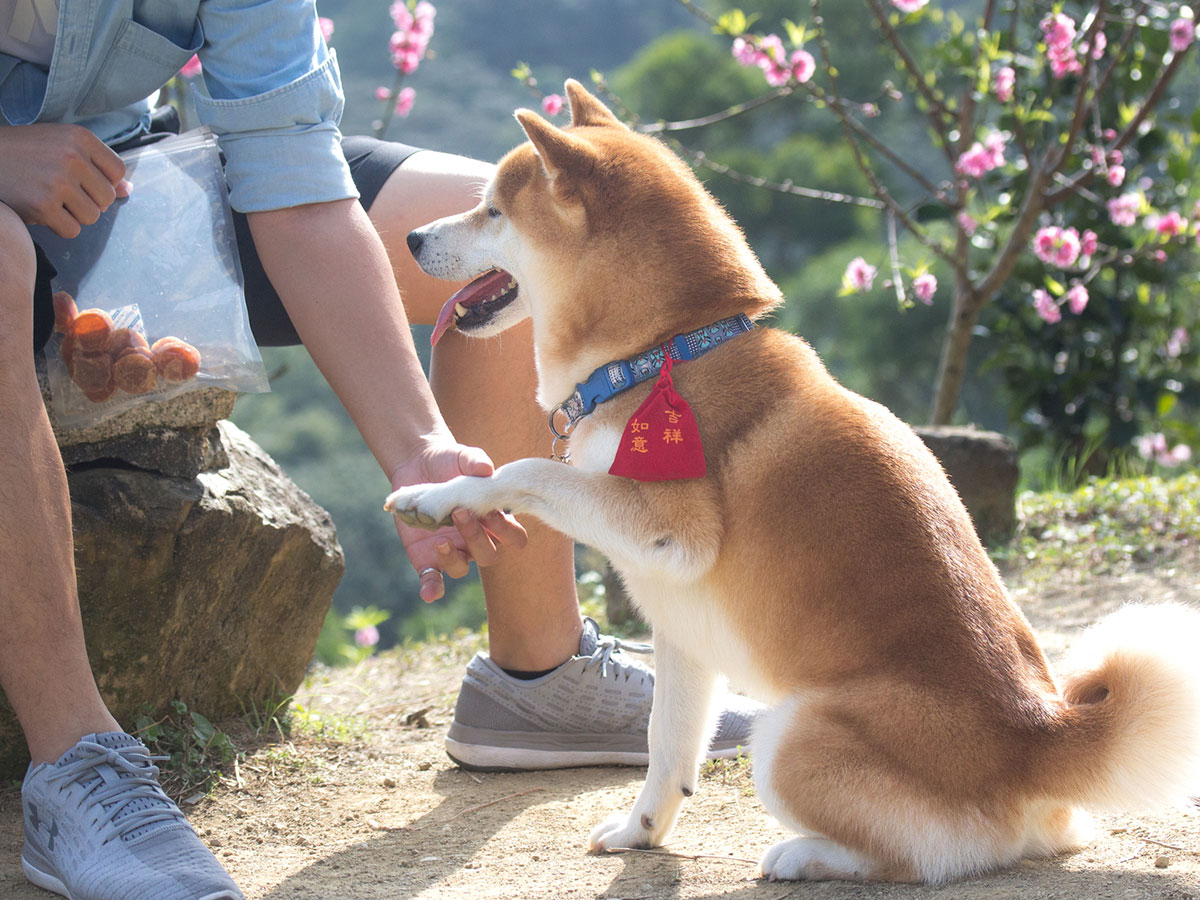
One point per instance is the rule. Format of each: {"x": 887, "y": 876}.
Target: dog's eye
{"x": 493, "y": 213}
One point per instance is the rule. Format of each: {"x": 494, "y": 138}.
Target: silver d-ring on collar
{"x": 560, "y": 437}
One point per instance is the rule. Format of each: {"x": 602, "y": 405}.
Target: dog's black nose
{"x": 415, "y": 239}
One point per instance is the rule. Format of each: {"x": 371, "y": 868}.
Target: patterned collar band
{"x": 614, "y": 377}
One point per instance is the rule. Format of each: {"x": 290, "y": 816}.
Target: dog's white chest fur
{"x": 673, "y": 599}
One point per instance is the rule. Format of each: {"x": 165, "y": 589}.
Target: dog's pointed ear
{"x": 562, "y": 154}
{"x": 586, "y": 109}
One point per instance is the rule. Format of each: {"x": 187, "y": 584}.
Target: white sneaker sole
{"x": 515, "y": 759}
{"x": 50, "y": 883}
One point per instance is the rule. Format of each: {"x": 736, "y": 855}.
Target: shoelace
{"x": 606, "y": 646}
{"x": 133, "y": 783}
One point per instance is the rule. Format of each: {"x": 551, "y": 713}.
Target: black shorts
{"x": 371, "y": 164}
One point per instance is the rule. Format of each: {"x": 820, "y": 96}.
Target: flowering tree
{"x": 1049, "y": 174}
{"x": 408, "y": 46}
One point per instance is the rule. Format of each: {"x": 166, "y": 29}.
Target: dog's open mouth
{"x": 476, "y": 304}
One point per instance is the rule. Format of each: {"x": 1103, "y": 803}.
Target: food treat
{"x": 123, "y": 339}
{"x": 134, "y": 371}
{"x": 64, "y": 312}
{"x": 176, "y": 359}
{"x": 92, "y": 328}
{"x": 92, "y": 370}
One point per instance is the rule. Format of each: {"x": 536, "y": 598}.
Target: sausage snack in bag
{"x": 149, "y": 302}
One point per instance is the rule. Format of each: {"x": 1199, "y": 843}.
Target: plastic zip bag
{"x": 156, "y": 277}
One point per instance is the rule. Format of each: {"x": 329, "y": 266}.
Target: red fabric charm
{"x": 661, "y": 441}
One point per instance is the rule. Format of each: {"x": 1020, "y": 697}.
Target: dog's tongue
{"x": 486, "y": 286}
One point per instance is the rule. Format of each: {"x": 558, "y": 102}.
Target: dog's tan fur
{"x": 825, "y": 562}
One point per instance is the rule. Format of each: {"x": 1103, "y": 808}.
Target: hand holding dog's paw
{"x": 623, "y": 830}
{"x": 406, "y": 505}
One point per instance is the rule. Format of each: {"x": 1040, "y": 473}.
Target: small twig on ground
{"x": 493, "y": 802}
{"x": 475, "y": 778}
{"x": 1168, "y": 846}
{"x": 615, "y": 850}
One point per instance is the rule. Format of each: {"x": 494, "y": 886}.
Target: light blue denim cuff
{"x": 283, "y": 148}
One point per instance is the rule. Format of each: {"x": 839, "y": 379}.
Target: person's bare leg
{"x": 485, "y": 389}
{"x": 44, "y": 668}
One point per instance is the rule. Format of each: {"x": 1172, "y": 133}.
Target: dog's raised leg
{"x": 667, "y": 525}
{"x": 680, "y": 722}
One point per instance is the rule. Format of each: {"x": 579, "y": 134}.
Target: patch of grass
{"x": 736, "y": 771}
{"x": 194, "y": 748}
{"x": 1108, "y": 525}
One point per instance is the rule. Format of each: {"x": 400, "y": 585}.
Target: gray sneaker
{"x": 99, "y": 827}
{"x": 593, "y": 710}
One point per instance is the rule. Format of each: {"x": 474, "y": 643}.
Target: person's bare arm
{"x": 330, "y": 269}
{"x": 60, "y": 176}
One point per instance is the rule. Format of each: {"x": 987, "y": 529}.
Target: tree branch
{"x": 877, "y": 186}
{"x": 736, "y": 110}
{"x": 937, "y": 110}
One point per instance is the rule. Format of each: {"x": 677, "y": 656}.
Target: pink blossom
{"x": 1123, "y": 210}
{"x": 967, "y": 223}
{"x": 745, "y": 52}
{"x": 1077, "y": 298}
{"x": 1002, "y": 83}
{"x": 859, "y": 274}
{"x": 326, "y": 27}
{"x": 1057, "y": 246}
{"x": 772, "y": 59}
{"x": 908, "y": 6}
{"x": 870, "y": 110}
{"x": 1101, "y": 45}
{"x": 552, "y": 104}
{"x": 382, "y": 93}
{"x": 1183, "y": 32}
{"x": 1171, "y": 224}
{"x": 925, "y": 286}
{"x": 1154, "y": 447}
{"x": 401, "y": 15}
{"x": 1116, "y": 175}
{"x": 982, "y": 157}
{"x": 367, "y": 636}
{"x": 1159, "y": 256}
{"x": 191, "y": 68}
{"x": 1088, "y": 243}
{"x": 1059, "y": 31}
{"x": 1044, "y": 306}
{"x": 404, "y": 101}
{"x": 1177, "y": 343}
{"x": 803, "y": 65}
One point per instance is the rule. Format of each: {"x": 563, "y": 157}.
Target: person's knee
{"x": 16, "y": 278}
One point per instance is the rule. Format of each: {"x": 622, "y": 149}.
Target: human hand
{"x": 450, "y": 550}
{"x": 60, "y": 176}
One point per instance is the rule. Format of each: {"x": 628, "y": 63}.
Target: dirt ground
{"x": 370, "y": 807}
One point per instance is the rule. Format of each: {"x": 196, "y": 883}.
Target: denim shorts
{"x": 371, "y": 162}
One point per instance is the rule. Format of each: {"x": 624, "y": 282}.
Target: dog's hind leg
{"x": 680, "y": 722}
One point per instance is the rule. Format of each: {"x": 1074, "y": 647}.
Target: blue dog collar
{"x": 614, "y": 377}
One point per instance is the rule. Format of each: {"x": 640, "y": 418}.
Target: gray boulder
{"x": 209, "y": 586}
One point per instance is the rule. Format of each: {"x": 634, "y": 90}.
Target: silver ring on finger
{"x": 425, "y": 572}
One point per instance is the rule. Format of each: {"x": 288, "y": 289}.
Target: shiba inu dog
{"x": 815, "y": 552}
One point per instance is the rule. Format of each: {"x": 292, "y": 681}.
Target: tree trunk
{"x": 964, "y": 314}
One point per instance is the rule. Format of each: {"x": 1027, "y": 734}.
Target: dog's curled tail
{"x": 1130, "y": 737}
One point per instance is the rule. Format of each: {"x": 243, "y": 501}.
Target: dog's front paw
{"x": 423, "y": 505}
{"x": 624, "y": 831}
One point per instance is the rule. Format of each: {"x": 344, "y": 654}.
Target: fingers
{"x": 505, "y": 530}
{"x": 111, "y": 166}
{"x": 432, "y": 586}
{"x": 473, "y": 461}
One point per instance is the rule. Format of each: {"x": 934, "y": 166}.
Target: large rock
{"x": 209, "y": 588}
{"x": 982, "y": 466}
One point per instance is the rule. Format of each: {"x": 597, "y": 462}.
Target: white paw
{"x": 622, "y": 830}
{"x": 429, "y": 505}
{"x": 812, "y": 859}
